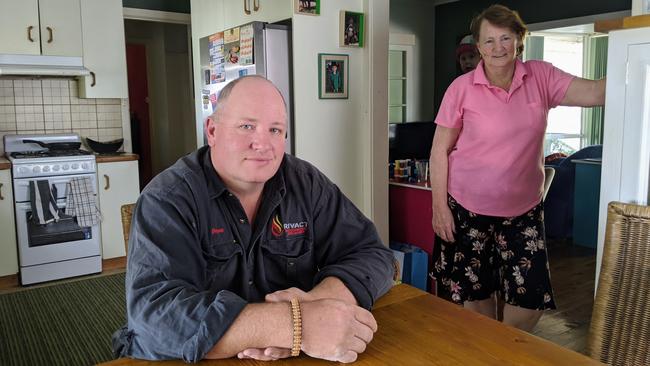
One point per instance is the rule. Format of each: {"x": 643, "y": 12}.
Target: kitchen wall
{"x": 52, "y": 105}
{"x": 417, "y": 17}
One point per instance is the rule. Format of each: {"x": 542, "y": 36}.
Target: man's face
{"x": 247, "y": 139}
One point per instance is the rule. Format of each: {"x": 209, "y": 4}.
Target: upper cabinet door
{"x": 60, "y": 28}
{"x": 104, "y": 49}
{"x": 19, "y": 23}
{"x": 239, "y": 12}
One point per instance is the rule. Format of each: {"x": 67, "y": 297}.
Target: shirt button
{"x": 242, "y": 221}
{"x": 250, "y": 283}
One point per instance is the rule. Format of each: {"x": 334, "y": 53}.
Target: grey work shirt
{"x": 195, "y": 261}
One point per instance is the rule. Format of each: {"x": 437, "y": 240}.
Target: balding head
{"x": 224, "y": 94}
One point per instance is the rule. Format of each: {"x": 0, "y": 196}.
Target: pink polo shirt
{"x": 496, "y": 167}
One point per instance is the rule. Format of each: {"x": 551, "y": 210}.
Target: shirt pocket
{"x": 222, "y": 260}
{"x": 290, "y": 262}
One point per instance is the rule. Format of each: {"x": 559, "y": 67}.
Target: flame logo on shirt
{"x": 276, "y": 226}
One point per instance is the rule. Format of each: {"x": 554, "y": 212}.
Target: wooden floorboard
{"x": 573, "y": 271}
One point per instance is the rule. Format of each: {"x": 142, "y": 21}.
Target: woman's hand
{"x": 443, "y": 222}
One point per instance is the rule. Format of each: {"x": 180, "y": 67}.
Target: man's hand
{"x": 332, "y": 329}
{"x": 336, "y": 331}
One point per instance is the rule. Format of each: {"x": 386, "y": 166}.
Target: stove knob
{"x": 65, "y": 167}
{"x": 36, "y": 169}
{"x": 22, "y": 169}
{"x": 46, "y": 168}
{"x": 84, "y": 166}
{"x": 75, "y": 166}
{"x": 56, "y": 168}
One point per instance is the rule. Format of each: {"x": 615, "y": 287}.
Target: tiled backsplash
{"x": 29, "y": 105}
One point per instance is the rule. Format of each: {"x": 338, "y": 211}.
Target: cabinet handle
{"x": 247, "y": 7}
{"x": 29, "y": 33}
{"x": 94, "y": 79}
{"x": 256, "y": 5}
{"x": 1, "y": 198}
{"x": 50, "y": 35}
{"x": 107, "y": 184}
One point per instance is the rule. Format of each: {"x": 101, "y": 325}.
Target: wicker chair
{"x": 620, "y": 323}
{"x": 127, "y": 212}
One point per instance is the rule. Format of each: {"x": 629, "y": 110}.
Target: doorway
{"x": 160, "y": 93}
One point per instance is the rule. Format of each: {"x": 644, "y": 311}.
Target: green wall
{"x": 175, "y": 6}
{"x": 453, "y": 19}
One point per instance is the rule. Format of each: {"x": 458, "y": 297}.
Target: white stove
{"x": 58, "y": 249}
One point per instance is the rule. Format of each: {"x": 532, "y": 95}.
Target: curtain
{"x": 534, "y": 48}
{"x": 595, "y": 67}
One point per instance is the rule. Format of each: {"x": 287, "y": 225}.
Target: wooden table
{"x": 416, "y": 328}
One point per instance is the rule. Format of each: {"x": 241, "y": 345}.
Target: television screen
{"x": 411, "y": 140}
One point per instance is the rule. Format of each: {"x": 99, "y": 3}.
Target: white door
{"x": 626, "y": 142}
{"x": 19, "y": 32}
{"x": 60, "y": 28}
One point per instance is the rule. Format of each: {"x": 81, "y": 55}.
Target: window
{"x": 397, "y": 85}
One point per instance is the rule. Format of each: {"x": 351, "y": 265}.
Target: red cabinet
{"x": 410, "y": 215}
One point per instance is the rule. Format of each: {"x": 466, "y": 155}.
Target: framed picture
{"x": 308, "y": 7}
{"x": 351, "y": 29}
{"x": 333, "y": 76}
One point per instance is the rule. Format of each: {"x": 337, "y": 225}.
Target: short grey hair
{"x": 224, "y": 94}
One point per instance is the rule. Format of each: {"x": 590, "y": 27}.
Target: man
{"x": 225, "y": 238}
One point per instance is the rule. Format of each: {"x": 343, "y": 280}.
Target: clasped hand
{"x": 332, "y": 329}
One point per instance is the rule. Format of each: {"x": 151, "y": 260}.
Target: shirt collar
{"x": 216, "y": 187}
{"x": 517, "y": 79}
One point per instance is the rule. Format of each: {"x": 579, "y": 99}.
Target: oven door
{"x": 54, "y": 242}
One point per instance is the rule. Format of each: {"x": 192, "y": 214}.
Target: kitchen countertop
{"x": 4, "y": 164}
{"x": 421, "y": 185}
{"x": 106, "y": 158}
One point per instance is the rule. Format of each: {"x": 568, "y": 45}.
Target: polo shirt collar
{"x": 517, "y": 79}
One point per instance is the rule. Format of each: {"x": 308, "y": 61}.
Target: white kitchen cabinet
{"x": 32, "y": 27}
{"x": 118, "y": 184}
{"x": 238, "y": 12}
{"x": 104, "y": 50}
{"x": 8, "y": 249}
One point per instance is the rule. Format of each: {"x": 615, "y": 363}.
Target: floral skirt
{"x": 491, "y": 254}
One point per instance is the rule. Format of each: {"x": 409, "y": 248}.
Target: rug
{"x": 67, "y": 324}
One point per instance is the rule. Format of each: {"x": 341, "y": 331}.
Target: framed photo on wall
{"x": 333, "y": 76}
{"x": 351, "y": 29}
{"x": 307, "y": 7}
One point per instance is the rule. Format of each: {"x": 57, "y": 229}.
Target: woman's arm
{"x": 585, "y": 93}
{"x": 443, "y": 142}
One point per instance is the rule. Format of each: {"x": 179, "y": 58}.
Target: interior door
{"x": 626, "y": 143}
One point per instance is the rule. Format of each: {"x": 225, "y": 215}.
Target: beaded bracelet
{"x": 297, "y": 327}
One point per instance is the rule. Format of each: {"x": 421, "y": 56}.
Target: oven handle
{"x": 107, "y": 186}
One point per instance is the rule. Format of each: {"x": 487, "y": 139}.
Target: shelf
{"x": 637, "y": 21}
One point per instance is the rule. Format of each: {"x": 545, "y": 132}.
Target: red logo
{"x": 291, "y": 229}
{"x": 276, "y": 226}
{"x": 218, "y": 230}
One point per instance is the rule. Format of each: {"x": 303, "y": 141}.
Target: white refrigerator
{"x": 255, "y": 48}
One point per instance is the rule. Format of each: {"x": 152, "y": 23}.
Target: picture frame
{"x": 333, "y": 76}
{"x": 351, "y": 29}
{"x": 307, "y": 7}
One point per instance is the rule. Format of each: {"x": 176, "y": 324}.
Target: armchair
{"x": 558, "y": 206}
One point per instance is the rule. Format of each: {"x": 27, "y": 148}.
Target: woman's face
{"x": 498, "y": 46}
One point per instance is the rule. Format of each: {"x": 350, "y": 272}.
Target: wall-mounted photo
{"x": 308, "y": 7}
{"x": 332, "y": 76}
{"x": 351, "y": 29}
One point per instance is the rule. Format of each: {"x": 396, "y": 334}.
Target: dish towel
{"x": 80, "y": 202}
{"x": 43, "y": 204}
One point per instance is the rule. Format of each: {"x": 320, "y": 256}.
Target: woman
{"x": 488, "y": 175}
